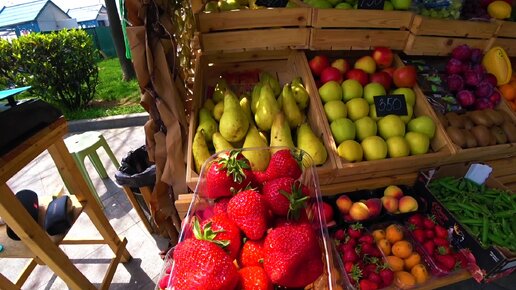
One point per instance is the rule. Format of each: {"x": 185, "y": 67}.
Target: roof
{"x": 23, "y": 12}
{"x": 85, "y": 13}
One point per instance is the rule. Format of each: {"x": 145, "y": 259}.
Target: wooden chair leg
{"x": 130, "y": 195}
{"x": 5, "y": 284}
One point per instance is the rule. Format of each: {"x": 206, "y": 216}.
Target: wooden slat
{"x": 110, "y": 273}
{"x": 356, "y": 39}
{"x": 369, "y": 183}
{"x": 277, "y": 38}
{"x": 333, "y": 18}
{"x": 183, "y": 203}
{"x": 508, "y": 44}
{"x": 453, "y": 278}
{"x": 27, "y": 270}
{"x": 507, "y": 29}
{"x": 258, "y": 18}
{"x": 434, "y": 45}
{"x": 422, "y": 25}
{"x": 5, "y": 284}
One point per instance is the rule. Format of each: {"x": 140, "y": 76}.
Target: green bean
{"x": 505, "y": 214}
{"x": 484, "y": 230}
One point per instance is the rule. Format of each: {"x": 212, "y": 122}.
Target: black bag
{"x": 59, "y": 217}
{"x": 29, "y": 200}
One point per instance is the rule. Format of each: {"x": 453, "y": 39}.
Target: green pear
{"x": 259, "y": 159}
{"x": 279, "y": 100}
{"x": 233, "y": 123}
{"x": 294, "y": 116}
{"x": 300, "y": 93}
{"x": 266, "y": 109}
{"x": 207, "y": 123}
{"x": 218, "y": 110}
{"x": 255, "y": 96}
{"x": 280, "y": 133}
{"x": 200, "y": 150}
{"x": 226, "y": 5}
{"x": 246, "y": 106}
{"x": 220, "y": 143}
{"x": 311, "y": 144}
{"x": 219, "y": 91}
{"x": 209, "y": 104}
{"x": 267, "y": 78}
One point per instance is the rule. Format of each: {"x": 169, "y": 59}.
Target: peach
{"x": 394, "y": 191}
{"x": 375, "y": 206}
{"x": 390, "y": 203}
{"x": 407, "y": 204}
{"x": 344, "y": 203}
{"x": 359, "y": 211}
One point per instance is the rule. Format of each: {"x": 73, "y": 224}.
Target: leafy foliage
{"x": 60, "y": 66}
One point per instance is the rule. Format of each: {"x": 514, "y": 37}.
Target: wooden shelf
{"x": 17, "y": 249}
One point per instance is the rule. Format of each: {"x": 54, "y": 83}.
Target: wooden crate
{"x": 336, "y": 29}
{"x": 391, "y": 168}
{"x": 286, "y": 64}
{"x": 504, "y": 170}
{"x": 430, "y": 36}
{"x": 506, "y": 37}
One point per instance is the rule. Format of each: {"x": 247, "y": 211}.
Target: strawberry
{"x": 169, "y": 269}
{"x": 348, "y": 266}
{"x": 367, "y": 249}
{"x": 164, "y": 282}
{"x": 441, "y": 232}
{"x": 376, "y": 252}
{"x": 443, "y": 250}
{"x": 350, "y": 241}
{"x": 387, "y": 276}
{"x": 249, "y": 211}
{"x": 366, "y": 284}
{"x": 375, "y": 278}
{"x": 447, "y": 262}
{"x": 283, "y": 163}
{"x": 254, "y": 278}
{"x": 251, "y": 254}
{"x": 366, "y": 239}
{"x": 228, "y": 174}
{"x": 355, "y": 230}
{"x": 203, "y": 264}
{"x": 462, "y": 261}
{"x": 428, "y": 223}
{"x": 292, "y": 255}
{"x": 356, "y": 274}
{"x": 350, "y": 256}
{"x": 346, "y": 247}
{"x": 339, "y": 235}
{"x": 416, "y": 220}
{"x": 221, "y": 205}
{"x": 369, "y": 268}
{"x": 429, "y": 234}
{"x": 221, "y": 230}
{"x": 419, "y": 235}
{"x": 441, "y": 242}
{"x": 284, "y": 196}
{"x": 429, "y": 246}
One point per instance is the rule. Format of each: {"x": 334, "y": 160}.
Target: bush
{"x": 60, "y": 66}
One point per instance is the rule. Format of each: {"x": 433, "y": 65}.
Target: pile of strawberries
{"x": 434, "y": 239}
{"x": 259, "y": 220}
{"x": 363, "y": 261}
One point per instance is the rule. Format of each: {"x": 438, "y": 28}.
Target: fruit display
{"x": 348, "y": 93}
{"x": 265, "y": 114}
{"x": 253, "y": 227}
{"x": 446, "y": 9}
{"x": 388, "y": 5}
{"x": 486, "y": 212}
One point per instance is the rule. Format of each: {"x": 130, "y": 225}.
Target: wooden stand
{"x": 35, "y": 242}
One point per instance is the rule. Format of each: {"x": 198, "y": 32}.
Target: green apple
{"x": 374, "y": 148}
{"x": 409, "y": 114}
{"x": 418, "y": 142}
{"x": 401, "y": 4}
{"x": 371, "y": 90}
{"x": 342, "y": 129}
{"x": 344, "y": 6}
{"x": 390, "y": 126}
{"x": 357, "y": 108}
{"x": 335, "y": 110}
{"x": 387, "y": 6}
{"x": 372, "y": 113}
{"x": 366, "y": 63}
{"x": 422, "y": 124}
{"x": 330, "y": 91}
{"x": 410, "y": 96}
{"x": 351, "y": 89}
{"x": 397, "y": 146}
{"x": 365, "y": 127}
{"x": 351, "y": 151}
{"x": 334, "y": 2}
{"x": 321, "y": 4}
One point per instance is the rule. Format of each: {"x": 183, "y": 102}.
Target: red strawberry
{"x": 356, "y": 273}
{"x": 429, "y": 247}
{"x": 346, "y": 247}
{"x": 226, "y": 175}
{"x": 194, "y": 264}
{"x": 249, "y": 211}
{"x": 441, "y": 232}
{"x": 251, "y": 254}
{"x": 416, "y": 220}
{"x": 254, "y": 278}
{"x": 169, "y": 268}
{"x": 445, "y": 261}
{"x": 441, "y": 242}
{"x": 443, "y": 250}
{"x": 349, "y": 256}
{"x": 163, "y": 282}
{"x": 428, "y": 223}
{"x": 348, "y": 266}
{"x": 369, "y": 268}
{"x": 221, "y": 230}
{"x": 429, "y": 234}
{"x": 221, "y": 205}
{"x": 376, "y": 252}
{"x": 419, "y": 235}
{"x": 375, "y": 278}
{"x": 284, "y": 196}
{"x": 387, "y": 276}
{"x": 292, "y": 255}
{"x": 283, "y": 163}
{"x": 355, "y": 230}
{"x": 366, "y": 284}
{"x": 350, "y": 241}
{"x": 339, "y": 235}
{"x": 366, "y": 239}
{"x": 462, "y": 261}
{"x": 367, "y": 249}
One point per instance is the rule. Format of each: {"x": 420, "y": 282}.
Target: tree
{"x": 118, "y": 39}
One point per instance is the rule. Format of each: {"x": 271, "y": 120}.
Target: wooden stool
{"x": 86, "y": 145}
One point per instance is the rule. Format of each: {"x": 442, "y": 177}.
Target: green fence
{"x": 103, "y": 40}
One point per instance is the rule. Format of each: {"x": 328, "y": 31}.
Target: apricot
{"x": 404, "y": 280}
{"x": 412, "y": 260}
{"x": 394, "y": 233}
{"x": 420, "y": 272}
{"x": 384, "y": 246}
{"x": 378, "y": 234}
{"x": 402, "y": 249}
{"x": 395, "y": 263}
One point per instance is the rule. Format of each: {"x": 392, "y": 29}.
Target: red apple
{"x": 383, "y": 56}
{"x": 375, "y": 206}
{"x": 327, "y": 212}
{"x": 344, "y": 203}
{"x": 405, "y": 77}
{"x": 341, "y": 64}
{"x": 331, "y": 74}
{"x": 358, "y": 75}
{"x": 318, "y": 64}
{"x": 382, "y": 78}
{"x": 389, "y": 70}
